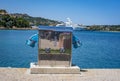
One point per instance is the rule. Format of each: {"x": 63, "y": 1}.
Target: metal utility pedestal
{"x": 54, "y": 51}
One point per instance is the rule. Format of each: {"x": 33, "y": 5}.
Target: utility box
{"x": 54, "y": 51}
{"x": 55, "y": 46}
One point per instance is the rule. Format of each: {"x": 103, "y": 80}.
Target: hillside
{"x": 36, "y": 20}
{"x": 19, "y": 20}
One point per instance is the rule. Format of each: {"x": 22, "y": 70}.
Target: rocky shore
{"x": 23, "y": 74}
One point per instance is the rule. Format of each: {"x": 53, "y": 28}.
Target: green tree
{"x": 21, "y": 22}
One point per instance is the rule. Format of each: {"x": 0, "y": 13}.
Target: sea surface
{"x": 98, "y": 49}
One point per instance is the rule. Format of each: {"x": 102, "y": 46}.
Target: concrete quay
{"x": 23, "y": 74}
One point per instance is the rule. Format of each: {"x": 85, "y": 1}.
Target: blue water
{"x": 98, "y": 50}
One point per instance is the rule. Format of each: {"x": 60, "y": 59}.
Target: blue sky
{"x": 87, "y": 12}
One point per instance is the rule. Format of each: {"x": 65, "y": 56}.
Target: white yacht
{"x": 69, "y": 23}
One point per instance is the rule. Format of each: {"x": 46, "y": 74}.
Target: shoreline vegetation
{"x": 111, "y": 28}
{"x": 24, "y": 28}
{"x": 22, "y": 21}
{"x": 18, "y": 21}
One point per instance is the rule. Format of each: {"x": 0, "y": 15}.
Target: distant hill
{"x": 19, "y": 20}
{"x": 104, "y": 27}
{"x": 36, "y": 20}
{"x": 2, "y": 11}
